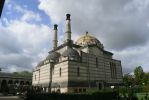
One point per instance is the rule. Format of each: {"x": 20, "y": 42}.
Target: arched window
{"x": 78, "y": 71}
{"x": 60, "y": 72}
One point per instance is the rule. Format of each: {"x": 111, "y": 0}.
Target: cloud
{"x": 6, "y": 40}
{"x": 23, "y": 44}
{"x": 121, "y": 25}
{"x": 133, "y": 57}
{"x": 28, "y": 15}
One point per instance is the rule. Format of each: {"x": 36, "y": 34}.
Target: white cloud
{"x": 133, "y": 57}
{"x": 23, "y": 44}
{"x": 28, "y": 15}
{"x": 121, "y": 25}
{"x": 30, "y": 35}
{"x": 53, "y": 5}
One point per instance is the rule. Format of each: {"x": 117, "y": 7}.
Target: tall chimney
{"x": 55, "y": 36}
{"x": 68, "y": 29}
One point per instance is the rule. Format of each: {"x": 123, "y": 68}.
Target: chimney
{"x": 55, "y": 36}
{"x": 68, "y": 29}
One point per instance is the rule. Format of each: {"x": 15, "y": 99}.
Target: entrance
{"x": 99, "y": 86}
{"x": 4, "y": 86}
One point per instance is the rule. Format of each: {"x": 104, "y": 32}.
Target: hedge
{"x": 70, "y": 96}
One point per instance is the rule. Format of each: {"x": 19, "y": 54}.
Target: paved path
{"x": 10, "y": 98}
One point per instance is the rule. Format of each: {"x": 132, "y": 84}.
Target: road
{"x": 10, "y": 98}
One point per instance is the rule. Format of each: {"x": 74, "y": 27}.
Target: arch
{"x": 27, "y": 83}
{"x": 10, "y": 82}
{"x": 4, "y": 86}
{"x": 21, "y": 82}
{"x": 16, "y": 82}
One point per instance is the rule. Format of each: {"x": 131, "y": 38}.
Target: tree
{"x": 139, "y": 75}
{"x": 23, "y": 73}
{"x": 146, "y": 78}
{"x": 128, "y": 80}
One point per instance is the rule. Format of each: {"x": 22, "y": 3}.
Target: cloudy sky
{"x": 26, "y": 29}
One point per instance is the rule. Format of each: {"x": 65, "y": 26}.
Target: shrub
{"x": 71, "y": 96}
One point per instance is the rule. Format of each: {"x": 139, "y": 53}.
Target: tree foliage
{"x": 128, "y": 80}
{"x": 23, "y": 73}
{"x": 139, "y": 75}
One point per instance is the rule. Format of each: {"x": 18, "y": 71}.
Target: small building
{"x": 78, "y": 66}
{"x": 9, "y": 81}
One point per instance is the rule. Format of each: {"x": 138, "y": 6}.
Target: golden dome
{"x": 88, "y": 40}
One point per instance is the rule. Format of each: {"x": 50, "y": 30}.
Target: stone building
{"x": 77, "y": 67}
{"x": 9, "y": 80}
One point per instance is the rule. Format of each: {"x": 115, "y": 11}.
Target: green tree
{"x": 146, "y": 78}
{"x": 139, "y": 75}
{"x": 23, "y": 73}
{"x": 128, "y": 80}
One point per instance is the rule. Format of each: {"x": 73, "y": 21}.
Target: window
{"x": 96, "y": 62}
{"x": 60, "y": 72}
{"x": 78, "y": 71}
{"x": 35, "y": 77}
{"x": 113, "y": 69}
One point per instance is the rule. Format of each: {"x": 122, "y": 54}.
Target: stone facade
{"x": 77, "y": 67}
{"x": 11, "y": 80}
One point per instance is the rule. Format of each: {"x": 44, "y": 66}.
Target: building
{"x": 9, "y": 80}
{"x": 77, "y": 67}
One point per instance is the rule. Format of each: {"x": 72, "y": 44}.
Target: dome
{"x": 53, "y": 56}
{"x": 88, "y": 40}
{"x": 70, "y": 52}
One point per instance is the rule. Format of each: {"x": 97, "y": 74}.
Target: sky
{"x": 122, "y": 26}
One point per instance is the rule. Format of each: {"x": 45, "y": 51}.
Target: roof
{"x": 53, "y": 56}
{"x": 93, "y": 45}
{"x": 70, "y": 52}
{"x": 69, "y": 43}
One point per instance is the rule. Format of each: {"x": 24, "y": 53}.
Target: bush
{"x": 71, "y": 96}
